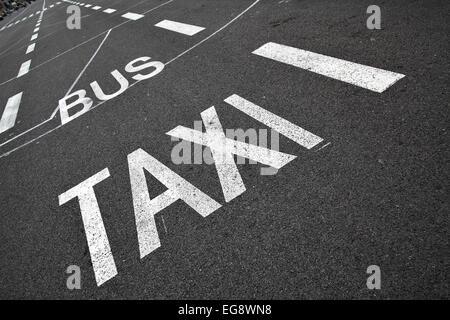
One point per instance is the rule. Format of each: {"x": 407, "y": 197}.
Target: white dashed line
{"x": 30, "y": 48}
{"x": 24, "y": 68}
{"x": 10, "y": 113}
{"x": 132, "y": 16}
{"x": 34, "y": 37}
{"x": 88, "y": 5}
{"x": 96, "y": 8}
{"x": 35, "y": 30}
{"x": 363, "y": 76}
{"x": 109, "y": 10}
{"x": 179, "y": 27}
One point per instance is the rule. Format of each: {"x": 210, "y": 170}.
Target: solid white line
{"x": 82, "y": 71}
{"x": 179, "y": 27}
{"x": 10, "y": 113}
{"x": 109, "y": 10}
{"x": 357, "y": 74}
{"x": 24, "y": 68}
{"x": 132, "y": 16}
{"x": 30, "y": 48}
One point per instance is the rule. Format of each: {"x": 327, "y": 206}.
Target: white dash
{"x": 88, "y": 5}
{"x": 24, "y": 68}
{"x": 179, "y": 27}
{"x": 277, "y": 123}
{"x": 132, "y": 16}
{"x": 36, "y": 30}
{"x": 363, "y": 76}
{"x": 34, "y": 37}
{"x": 109, "y": 10}
{"x": 96, "y": 8}
{"x": 10, "y": 113}
{"x": 30, "y": 48}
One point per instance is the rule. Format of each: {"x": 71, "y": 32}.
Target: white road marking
{"x": 132, "y": 16}
{"x": 374, "y": 79}
{"x": 24, "y": 19}
{"x": 88, "y": 5}
{"x": 36, "y": 30}
{"x": 131, "y": 85}
{"x": 109, "y": 10}
{"x": 30, "y": 48}
{"x": 229, "y": 176}
{"x": 179, "y": 27}
{"x": 82, "y": 71}
{"x": 145, "y": 208}
{"x": 283, "y": 126}
{"x": 24, "y": 68}
{"x": 97, "y": 239}
{"x": 34, "y": 37}
{"x": 96, "y": 8}
{"x": 10, "y": 113}
{"x": 51, "y": 6}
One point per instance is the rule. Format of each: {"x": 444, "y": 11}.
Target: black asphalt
{"x": 376, "y": 195}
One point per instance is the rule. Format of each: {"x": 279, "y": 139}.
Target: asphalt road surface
{"x": 371, "y": 189}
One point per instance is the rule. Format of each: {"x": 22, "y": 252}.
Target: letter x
{"x": 223, "y": 150}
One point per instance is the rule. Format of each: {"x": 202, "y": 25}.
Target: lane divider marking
{"x": 374, "y": 79}
{"x": 179, "y": 27}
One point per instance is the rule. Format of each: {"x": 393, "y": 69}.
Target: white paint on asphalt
{"x": 24, "y": 68}
{"x": 229, "y": 176}
{"x": 109, "y": 10}
{"x": 131, "y": 85}
{"x": 82, "y": 71}
{"x": 30, "y": 48}
{"x": 283, "y": 126}
{"x": 213, "y": 34}
{"x": 262, "y": 155}
{"x": 96, "y": 8}
{"x": 146, "y": 208}
{"x": 132, "y": 16}
{"x": 36, "y": 30}
{"x": 97, "y": 239}
{"x": 187, "y": 29}
{"x": 374, "y": 79}
{"x": 10, "y": 113}
{"x": 34, "y": 37}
